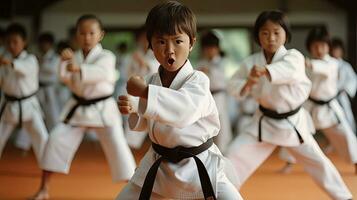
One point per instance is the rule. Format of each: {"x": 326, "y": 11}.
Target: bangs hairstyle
{"x": 275, "y": 16}
{"x": 17, "y": 29}
{"x": 209, "y": 39}
{"x": 46, "y": 37}
{"x": 170, "y": 18}
{"x": 89, "y": 17}
{"x": 337, "y": 43}
{"x": 318, "y": 34}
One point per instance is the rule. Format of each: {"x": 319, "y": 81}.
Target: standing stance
{"x": 89, "y": 74}
{"x": 181, "y": 114}
{"x": 19, "y": 84}
{"x": 276, "y": 78}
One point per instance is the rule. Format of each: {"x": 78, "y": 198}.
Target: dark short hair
{"x": 209, "y": 39}
{"x": 317, "y": 34}
{"x": 17, "y": 29}
{"x": 169, "y": 18}
{"x": 46, "y": 37}
{"x": 276, "y": 17}
{"x": 337, "y": 43}
{"x": 89, "y": 17}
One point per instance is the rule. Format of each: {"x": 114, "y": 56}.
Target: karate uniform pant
{"x": 225, "y": 134}
{"x": 345, "y": 103}
{"x": 247, "y": 154}
{"x": 342, "y": 139}
{"x": 226, "y": 191}
{"x": 50, "y": 105}
{"x": 36, "y": 130}
{"x": 65, "y": 139}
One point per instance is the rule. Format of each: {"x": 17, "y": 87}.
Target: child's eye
{"x": 161, "y": 42}
{"x": 179, "y": 41}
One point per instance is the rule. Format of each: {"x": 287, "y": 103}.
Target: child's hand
{"x": 67, "y": 54}
{"x": 137, "y": 87}
{"x": 4, "y": 61}
{"x": 258, "y": 71}
{"x": 124, "y": 104}
{"x": 248, "y": 85}
{"x": 73, "y": 68}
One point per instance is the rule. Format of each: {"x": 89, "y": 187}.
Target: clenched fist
{"x": 124, "y": 104}
{"x": 137, "y": 87}
{"x": 4, "y": 61}
{"x": 67, "y": 54}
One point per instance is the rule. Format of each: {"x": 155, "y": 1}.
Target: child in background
{"x": 212, "y": 64}
{"x": 276, "y": 78}
{"x": 90, "y": 75}
{"x": 326, "y": 112}
{"x": 19, "y": 84}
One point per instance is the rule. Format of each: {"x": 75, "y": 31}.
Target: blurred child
{"x": 19, "y": 84}
{"x": 90, "y": 75}
{"x": 347, "y": 81}
{"x": 276, "y": 78}
{"x": 212, "y": 64}
{"x": 326, "y": 112}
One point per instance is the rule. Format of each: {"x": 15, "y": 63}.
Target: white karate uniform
{"x": 21, "y": 80}
{"x": 288, "y": 88}
{"x": 218, "y": 88}
{"x": 96, "y": 79}
{"x": 46, "y": 95}
{"x": 247, "y": 108}
{"x": 183, "y": 115}
{"x": 330, "y": 117}
{"x": 137, "y": 138}
{"x": 48, "y": 83}
{"x": 347, "y": 85}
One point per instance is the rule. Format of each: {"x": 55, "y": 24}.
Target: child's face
{"x": 210, "y": 52}
{"x": 337, "y": 52}
{"x": 271, "y": 36}
{"x": 45, "y": 46}
{"x": 318, "y": 49}
{"x": 89, "y": 34}
{"x": 15, "y": 44}
{"x": 171, "y": 50}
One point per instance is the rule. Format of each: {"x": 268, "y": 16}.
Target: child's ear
{"x": 192, "y": 43}
{"x": 102, "y": 33}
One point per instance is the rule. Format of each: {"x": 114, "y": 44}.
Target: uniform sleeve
{"x": 238, "y": 80}
{"x": 64, "y": 75}
{"x": 102, "y": 70}
{"x": 348, "y": 79}
{"x": 288, "y": 68}
{"x": 320, "y": 67}
{"x": 26, "y": 66}
{"x": 178, "y": 108}
{"x": 137, "y": 123}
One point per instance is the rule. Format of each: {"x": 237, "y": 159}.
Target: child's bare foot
{"x": 286, "y": 169}
{"x": 40, "y": 195}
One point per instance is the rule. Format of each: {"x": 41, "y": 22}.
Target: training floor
{"x": 90, "y": 179}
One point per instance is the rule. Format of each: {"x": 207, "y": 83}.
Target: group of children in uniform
{"x": 177, "y": 106}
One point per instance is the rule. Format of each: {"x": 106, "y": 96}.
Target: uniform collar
{"x": 182, "y": 75}
{"x": 91, "y": 55}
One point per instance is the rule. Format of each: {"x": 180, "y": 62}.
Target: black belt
{"x": 9, "y": 98}
{"x": 275, "y": 115}
{"x": 175, "y": 155}
{"x": 213, "y": 92}
{"x": 326, "y": 102}
{"x": 45, "y": 84}
{"x": 82, "y": 102}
